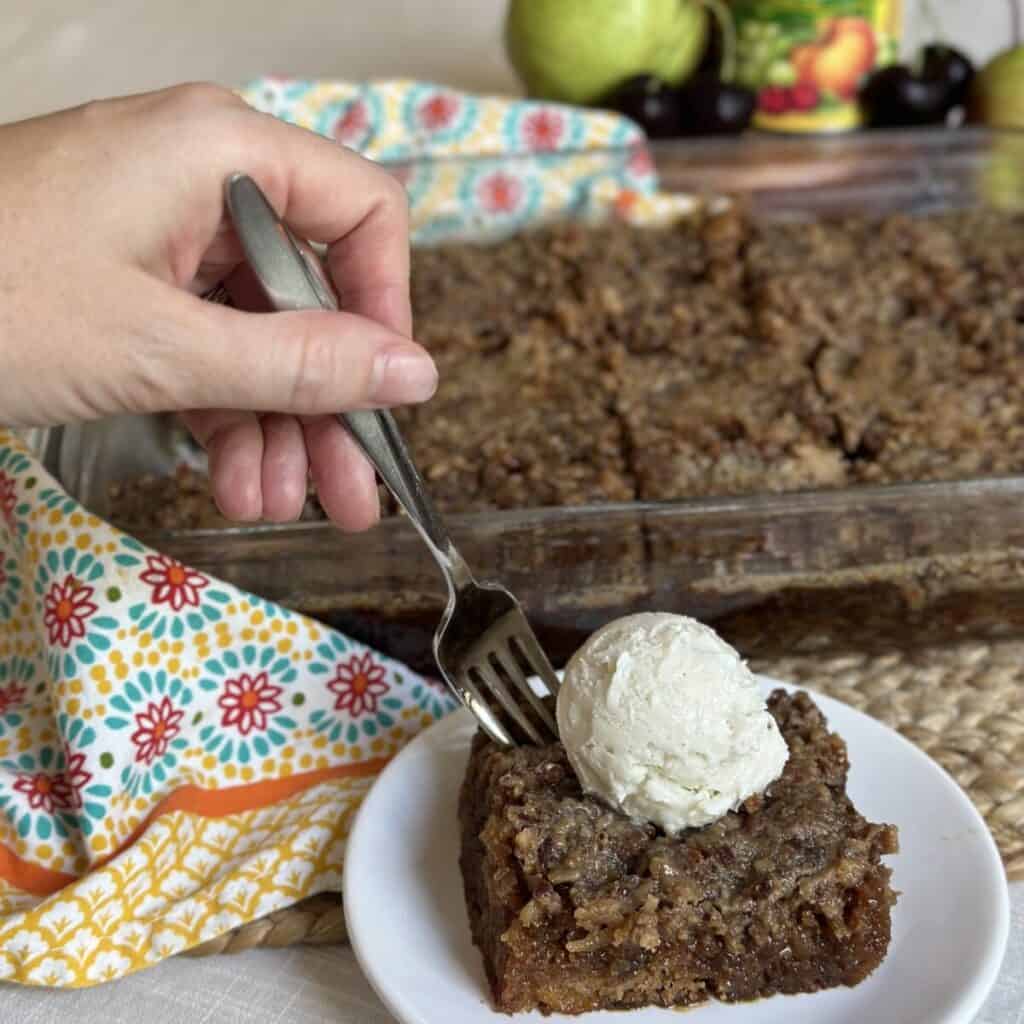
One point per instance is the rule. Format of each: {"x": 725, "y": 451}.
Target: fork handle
{"x": 293, "y": 279}
{"x": 379, "y": 438}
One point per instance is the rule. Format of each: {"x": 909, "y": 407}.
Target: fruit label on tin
{"x": 806, "y": 59}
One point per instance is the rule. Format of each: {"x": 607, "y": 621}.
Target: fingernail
{"x": 403, "y": 374}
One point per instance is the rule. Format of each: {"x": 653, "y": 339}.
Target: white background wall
{"x": 56, "y": 53}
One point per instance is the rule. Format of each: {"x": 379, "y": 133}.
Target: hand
{"x": 113, "y": 223}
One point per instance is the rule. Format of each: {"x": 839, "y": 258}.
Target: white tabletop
{"x": 309, "y": 985}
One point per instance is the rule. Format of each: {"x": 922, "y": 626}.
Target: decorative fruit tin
{"x": 806, "y": 58}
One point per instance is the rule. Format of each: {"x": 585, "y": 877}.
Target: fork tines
{"x": 498, "y": 665}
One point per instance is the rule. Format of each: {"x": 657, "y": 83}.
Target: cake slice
{"x": 575, "y": 907}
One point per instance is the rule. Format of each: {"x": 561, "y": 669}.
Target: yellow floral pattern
{"x": 187, "y": 879}
{"x": 176, "y": 757}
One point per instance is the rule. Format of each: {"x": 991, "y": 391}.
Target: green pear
{"x": 997, "y": 95}
{"x": 576, "y": 51}
{"x": 1002, "y": 183}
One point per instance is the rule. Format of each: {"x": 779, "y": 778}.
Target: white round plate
{"x": 408, "y": 926}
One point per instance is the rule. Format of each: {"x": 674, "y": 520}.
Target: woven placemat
{"x": 949, "y": 676}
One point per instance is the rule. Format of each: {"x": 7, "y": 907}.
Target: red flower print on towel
{"x": 439, "y": 111}
{"x": 75, "y": 777}
{"x": 8, "y": 498}
{"x": 10, "y": 697}
{"x": 157, "y": 726}
{"x": 172, "y": 582}
{"x": 65, "y": 610}
{"x": 357, "y": 684}
{"x": 247, "y": 701}
{"x": 500, "y": 193}
{"x": 351, "y": 125}
{"x": 44, "y": 792}
{"x": 543, "y": 129}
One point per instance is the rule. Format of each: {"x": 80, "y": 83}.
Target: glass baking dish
{"x": 924, "y": 545}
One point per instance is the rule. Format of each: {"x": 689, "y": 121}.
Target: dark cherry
{"x": 709, "y": 106}
{"x": 946, "y": 64}
{"x": 714, "y": 52}
{"x": 649, "y": 101}
{"x": 894, "y": 97}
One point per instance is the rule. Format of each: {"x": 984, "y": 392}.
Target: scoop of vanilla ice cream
{"x": 662, "y": 719}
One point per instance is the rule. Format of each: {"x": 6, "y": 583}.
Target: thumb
{"x": 305, "y": 363}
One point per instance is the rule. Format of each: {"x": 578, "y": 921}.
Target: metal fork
{"x": 484, "y": 646}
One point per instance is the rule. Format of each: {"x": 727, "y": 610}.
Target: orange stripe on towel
{"x": 207, "y": 803}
